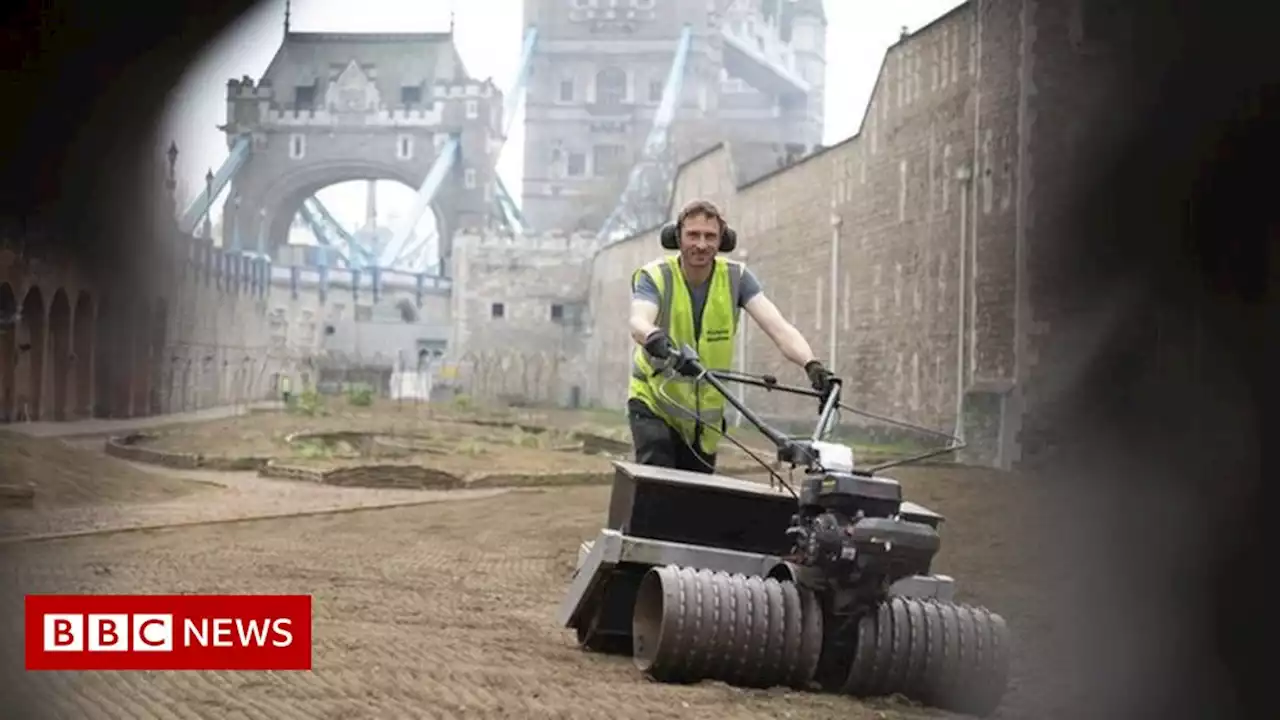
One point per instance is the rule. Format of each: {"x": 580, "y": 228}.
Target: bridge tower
{"x": 334, "y": 107}
{"x": 753, "y": 75}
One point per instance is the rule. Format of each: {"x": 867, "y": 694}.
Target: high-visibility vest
{"x": 694, "y": 408}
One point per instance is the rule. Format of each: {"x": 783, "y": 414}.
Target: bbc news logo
{"x": 168, "y": 632}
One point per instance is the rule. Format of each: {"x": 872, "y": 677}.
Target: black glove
{"x": 683, "y": 364}
{"x": 819, "y": 377}
{"x": 658, "y": 344}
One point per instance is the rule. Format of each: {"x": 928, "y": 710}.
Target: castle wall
{"x": 69, "y": 350}
{"x": 517, "y": 310}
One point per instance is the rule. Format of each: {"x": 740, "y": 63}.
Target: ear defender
{"x": 728, "y": 240}
{"x": 670, "y": 237}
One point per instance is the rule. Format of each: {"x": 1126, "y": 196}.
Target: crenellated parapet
{"x": 258, "y": 104}
{"x": 417, "y": 117}
{"x": 246, "y": 89}
{"x": 442, "y": 89}
{"x": 581, "y": 243}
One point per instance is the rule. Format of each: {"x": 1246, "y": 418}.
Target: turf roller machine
{"x": 828, "y": 588}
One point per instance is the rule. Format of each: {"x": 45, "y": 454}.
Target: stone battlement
{"x": 581, "y": 242}
{"x": 398, "y": 117}
{"x": 468, "y": 89}
{"x": 247, "y": 89}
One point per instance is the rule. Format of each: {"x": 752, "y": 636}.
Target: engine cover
{"x": 851, "y": 494}
{"x": 850, "y": 549}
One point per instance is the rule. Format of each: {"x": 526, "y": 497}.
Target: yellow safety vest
{"x": 683, "y": 402}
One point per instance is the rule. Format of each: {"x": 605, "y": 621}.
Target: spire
{"x": 287, "y": 3}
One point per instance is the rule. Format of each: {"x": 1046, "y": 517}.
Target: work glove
{"x": 683, "y": 363}
{"x": 819, "y": 377}
{"x": 658, "y": 345}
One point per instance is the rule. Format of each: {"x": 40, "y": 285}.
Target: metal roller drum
{"x": 692, "y": 625}
{"x": 951, "y": 656}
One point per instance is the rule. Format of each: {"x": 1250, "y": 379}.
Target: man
{"x": 695, "y": 298}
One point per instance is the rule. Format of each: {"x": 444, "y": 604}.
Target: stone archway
{"x": 160, "y": 389}
{"x": 103, "y": 343}
{"x": 140, "y": 367}
{"x": 8, "y": 350}
{"x": 103, "y": 362}
{"x": 31, "y": 355}
{"x": 60, "y": 348}
{"x": 82, "y": 349}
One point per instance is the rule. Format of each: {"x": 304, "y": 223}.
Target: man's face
{"x": 699, "y": 240}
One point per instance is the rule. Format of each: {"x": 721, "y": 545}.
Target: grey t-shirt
{"x": 646, "y": 289}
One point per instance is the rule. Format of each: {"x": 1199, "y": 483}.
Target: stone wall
{"x": 517, "y": 310}
{"x": 378, "y": 320}
{"x": 194, "y": 339}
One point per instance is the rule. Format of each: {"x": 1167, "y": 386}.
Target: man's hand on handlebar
{"x": 658, "y": 344}
{"x": 685, "y": 362}
{"x": 822, "y": 379}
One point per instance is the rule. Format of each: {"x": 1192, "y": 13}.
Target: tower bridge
{"x": 619, "y": 93}
{"x": 622, "y": 92}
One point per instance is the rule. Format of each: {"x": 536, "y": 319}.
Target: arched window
{"x": 611, "y": 86}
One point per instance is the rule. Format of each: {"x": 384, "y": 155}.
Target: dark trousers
{"x": 657, "y": 443}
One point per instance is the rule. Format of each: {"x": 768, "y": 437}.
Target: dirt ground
{"x": 68, "y": 476}
{"x": 447, "y": 610}
{"x": 544, "y": 442}
{"x": 402, "y": 433}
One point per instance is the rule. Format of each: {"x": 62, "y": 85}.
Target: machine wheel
{"x": 951, "y": 656}
{"x": 692, "y": 625}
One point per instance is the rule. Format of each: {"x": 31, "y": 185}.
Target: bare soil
{"x": 66, "y": 476}
{"x": 447, "y": 610}
{"x": 454, "y": 441}
{"x": 432, "y": 612}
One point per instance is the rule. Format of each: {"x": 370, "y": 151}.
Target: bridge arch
{"x": 391, "y": 199}
{"x": 273, "y": 210}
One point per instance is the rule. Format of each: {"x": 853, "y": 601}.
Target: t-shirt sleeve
{"x": 644, "y": 288}
{"x": 750, "y": 287}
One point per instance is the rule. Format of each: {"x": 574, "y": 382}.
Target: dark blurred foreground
{"x": 1151, "y": 505}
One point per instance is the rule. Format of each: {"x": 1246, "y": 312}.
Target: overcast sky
{"x": 489, "y": 36}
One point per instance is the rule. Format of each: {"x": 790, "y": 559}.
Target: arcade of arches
{"x": 66, "y": 354}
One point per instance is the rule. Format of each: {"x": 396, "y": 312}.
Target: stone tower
{"x": 754, "y": 77}
{"x": 335, "y": 107}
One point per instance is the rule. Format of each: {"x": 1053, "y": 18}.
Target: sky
{"x": 489, "y": 35}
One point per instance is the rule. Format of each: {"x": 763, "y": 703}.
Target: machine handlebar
{"x": 790, "y": 449}
{"x": 686, "y": 361}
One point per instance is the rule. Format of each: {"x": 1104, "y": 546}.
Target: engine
{"x": 850, "y": 527}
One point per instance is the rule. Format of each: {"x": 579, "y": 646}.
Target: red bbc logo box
{"x": 168, "y": 632}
